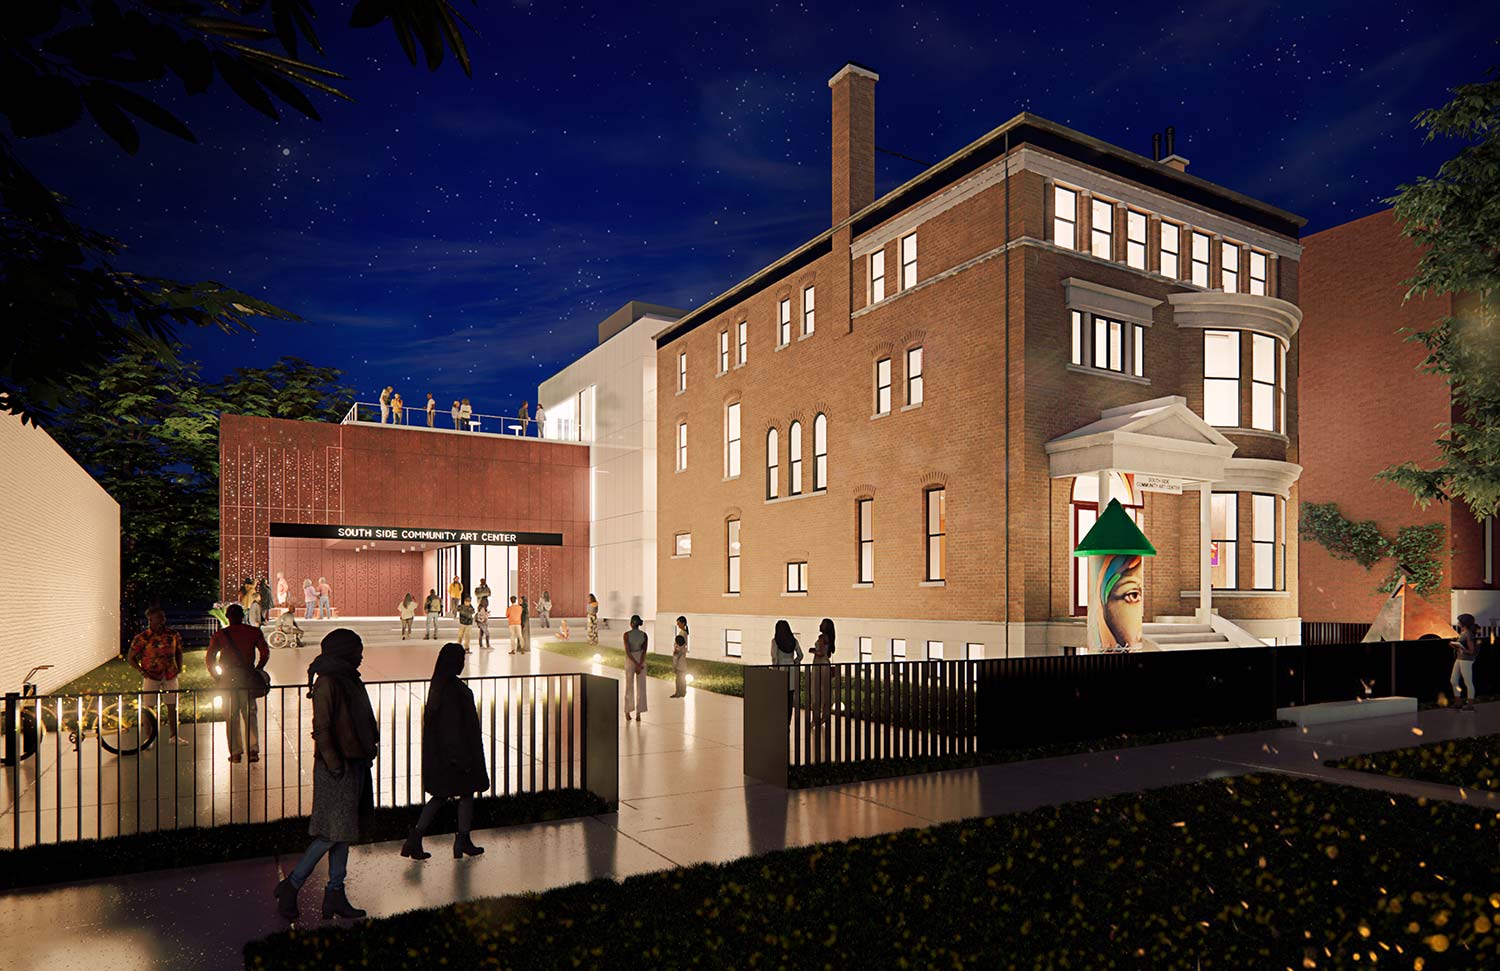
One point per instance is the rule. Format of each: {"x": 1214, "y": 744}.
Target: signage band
{"x": 412, "y": 534}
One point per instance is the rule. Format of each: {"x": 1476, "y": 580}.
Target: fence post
{"x": 601, "y": 737}
{"x": 766, "y": 712}
{"x": 12, "y": 752}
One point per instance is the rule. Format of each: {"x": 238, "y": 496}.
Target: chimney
{"x": 1156, "y": 147}
{"x": 1173, "y": 160}
{"x": 853, "y": 139}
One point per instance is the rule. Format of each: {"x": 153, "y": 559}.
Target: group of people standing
{"x": 257, "y": 600}
{"x": 393, "y": 411}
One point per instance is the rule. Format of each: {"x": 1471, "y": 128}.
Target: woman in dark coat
{"x": 452, "y": 754}
{"x": 345, "y": 738}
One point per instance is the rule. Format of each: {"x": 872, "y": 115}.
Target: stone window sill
{"x": 800, "y": 495}
{"x": 1112, "y": 375}
{"x": 933, "y": 583}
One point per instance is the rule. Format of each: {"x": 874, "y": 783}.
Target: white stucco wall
{"x": 60, "y": 559}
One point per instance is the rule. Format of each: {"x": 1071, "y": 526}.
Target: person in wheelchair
{"x": 286, "y": 632}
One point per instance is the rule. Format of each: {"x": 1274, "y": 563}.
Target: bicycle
{"x": 123, "y": 727}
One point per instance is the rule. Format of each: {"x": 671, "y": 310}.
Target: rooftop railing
{"x": 551, "y": 429}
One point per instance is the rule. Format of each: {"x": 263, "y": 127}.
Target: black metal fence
{"x": 1333, "y": 632}
{"x": 84, "y": 766}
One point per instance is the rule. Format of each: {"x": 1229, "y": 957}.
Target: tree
{"x": 1455, "y": 218}
{"x": 69, "y": 308}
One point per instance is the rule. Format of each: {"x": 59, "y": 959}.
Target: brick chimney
{"x": 853, "y": 139}
{"x": 1173, "y": 160}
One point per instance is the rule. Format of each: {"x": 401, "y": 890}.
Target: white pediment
{"x": 1161, "y": 436}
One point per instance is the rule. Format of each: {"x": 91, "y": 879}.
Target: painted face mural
{"x": 1121, "y": 595}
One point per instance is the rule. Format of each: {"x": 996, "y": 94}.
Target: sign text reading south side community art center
{"x": 408, "y": 534}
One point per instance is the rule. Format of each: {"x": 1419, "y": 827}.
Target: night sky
{"x": 465, "y": 236}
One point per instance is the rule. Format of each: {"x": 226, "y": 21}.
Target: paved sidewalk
{"x": 683, "y": 801}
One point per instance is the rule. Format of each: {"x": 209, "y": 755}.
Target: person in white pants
{"x": 1465, "y": 650}
{"x": 635, "y": 669}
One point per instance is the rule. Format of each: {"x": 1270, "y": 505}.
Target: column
{"x": 1205, "y": 541}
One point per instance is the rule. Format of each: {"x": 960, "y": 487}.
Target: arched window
{"x": 773, "y": 464}
{"x": 794, "y": 448}
{"x": 820, "y": 452}
{"x": 1085, "y": 512}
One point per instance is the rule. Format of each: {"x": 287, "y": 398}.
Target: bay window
{"x": 1221, "y": 377}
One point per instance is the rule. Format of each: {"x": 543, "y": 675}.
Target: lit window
{"x": 898, "y": 648}
{"x": 936, "y": 524}
{"x": 820, "y": 452}
{"x": 877, "y": 276}
{"x": 723, "y": 351}
{"x": 909, "y": 261}
{"x": 773, "y": 464}
{"x": 1281, "y": 387}
{"x": 732, "y": 584}
{"x": 744, "y": 335}
{"x": 1135, "y": 239}
{"x": 794, "y": 457}
{"x": 1229, "y": 267}
{"x": 883, "y": 386}
{"x": 1077, "y": 355}
{"x": 1258, "y": 263}
{"x": 973, "y": 651}
{"x": 809, "y": 306}
{"x": 934, "y": 650}
{"x": 1171, "y": 250}
{"x": 1223, "y": 524}
{"x": 866, "y": 648}
{"x": 1065, "y": 217}
{"x": 1200, "y": 260}
{"x": 865, "y": 525}
{"x": 682, "y": 371}
{"x": 684, "y": 545}
{"x": 796, "y": 577}
{"x": 1263, "y": 381}
{"x": 1280, "y": 543}
{"x": 681, "y": 445}
{"x": 732, "y": 441}
{"x": 1102, "y": 230}
{"x": 1263, "y": 540}
{"x": 914, "y": 376}
{"x": 1138, "y": 351}
{"x": 784, "y": 322}
{"x": 733, "y": 644}
{"x": 1221, "y": 377}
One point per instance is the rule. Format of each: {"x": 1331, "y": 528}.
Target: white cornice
{"x": 1096, "y": 298}
{"x": 1214, "y": 309}
{"x": 1259, "y": 475}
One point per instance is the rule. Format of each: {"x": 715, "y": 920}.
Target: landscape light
{"x": 598, "y": 658}
{"x": 690, "y": 679}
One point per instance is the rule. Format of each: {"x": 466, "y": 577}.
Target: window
{"x": 914, "y": 376}
{"x": 898, "y": 648}
{"x": 909, "y": 261}
{"x": 1221, "y": 377}
{"x": 744, "y": 335}
{"x": 796, "y": 577}
{"x": 864, "y": 520}
{"x": 1138, "y": 350}
{"x": 732, "y": 441}
{"x": 733, "y": 643}
{"x": 1258, "y": 273}
{"x": 1229, "y": 267}
{"x": 936, "y": 519}
{"x": 934, "y": 650}
{"x": 1077, "y": 356}
{"x": 883, "y": 386}
{"x": 809, "y": 306}
{"x": 1116, "y": 345}
{"x": 773, "y": 464}
{"x": 820, "y": 452}
{"x": 682, "y": 371}
{"x": 1135, "y": 239}
{"x": 684, "y": 545}
{"x": 1281, "y": 543}
{"x": 1223, "y": 525}
{"x": 866, "y": 648}
{"x": 1281, "y": 386}
{"x": 723, "y": 351}
{"x": 1171, "y": 250}
{"x": 973, "y": 652}
{"x": 1200, "y": 260}
{"x": 1102, "y": 229}
{"x": 1065, "y": 217}
{"x": 1263, "y": 541}
{"x": 794, "y": 456}
{"x": 1109, "y": 344}
{"x": 1264, "y": 383}
{"x": 784, "y": 322}
{"x": 877, "y": 276}
{"x": 681, "y": 445}
{"x": 732, "y": 584}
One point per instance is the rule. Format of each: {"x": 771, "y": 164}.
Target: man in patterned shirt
{"x": 156, "y": 652}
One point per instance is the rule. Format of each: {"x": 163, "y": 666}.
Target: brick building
{"x": 1367, "y": 407}
{"x": 906, "y": 422}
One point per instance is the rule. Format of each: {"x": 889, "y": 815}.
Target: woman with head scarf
{"x": 345, "y": 738}
{"x": 452, "y": 754}
{"x": 785, "y": 651}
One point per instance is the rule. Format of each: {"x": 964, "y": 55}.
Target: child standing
{"x": 679, "y": 657}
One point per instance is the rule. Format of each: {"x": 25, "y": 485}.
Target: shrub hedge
{"x": 1473, "y": 763}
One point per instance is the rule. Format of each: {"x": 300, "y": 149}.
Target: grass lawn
{"x": 1263, "y": 872}
{"x": 1470, "y": 762}
{"x": 720, "y": 677}
{"x": 116, "y": 676}
{"x": 193, "y": 846}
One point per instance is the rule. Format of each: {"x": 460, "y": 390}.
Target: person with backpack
{"x": 231, "y": 660}
{"x": 432, "y": 607}
{"x": 1465, "y": 650}
{"x": 465, "y": 622}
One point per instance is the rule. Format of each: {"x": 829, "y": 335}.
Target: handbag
{"x": 260, "y": 683}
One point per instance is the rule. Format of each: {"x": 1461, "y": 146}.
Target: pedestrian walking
{"x": 455, "y": 594}
{"x": 592, "y": 615}
{"x": 325, "y": 599}
{"x": 482, "y": 621}
{"x": 232, "y": 663}
{"x": 457, "y": 411}
{"x": 513, "y": 620}
{"x": 407, "y": 611}
{"x": 156, "y": 653}
{"x": 310, "y": 596}
{"x": 452, "y": 755}
{"x": 385, "y": 404}
{"x": 822, "y": 671}
{"x": 345, "y": 739}
{"x": 432, "y": 607}
{"x": 256, "y": 615}
{"x": 465, "y": 621}
{"x": 431, "y": 410}
{"x": 544, "y": 609}
{"x": 636, "y": 643}
{"x": 525, "y": 625}
{"x": 787, "y": 653}
{"x": 398, "y": 409}
{"x": 1465, "y": 651}
{"x": 525, "y": 415}
{"x": 679, "y": 657}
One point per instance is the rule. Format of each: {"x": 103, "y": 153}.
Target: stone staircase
{"x": 1188, "y": 634}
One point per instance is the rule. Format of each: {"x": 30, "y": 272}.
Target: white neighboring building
{"x": 608, "y": 398}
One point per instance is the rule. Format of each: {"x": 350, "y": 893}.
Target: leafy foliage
{"x": 1473, "y": 763}
{"x": 1455, "y": 218}
{"x": 1415, "y": 548}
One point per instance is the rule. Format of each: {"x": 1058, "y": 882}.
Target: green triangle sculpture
{"x": 1115, "y": 533}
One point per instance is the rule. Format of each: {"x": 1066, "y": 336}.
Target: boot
{"x": 412, "y": 848}
{"x": 463, "y": 846}
{"x": 286, "y": 899}
{"x": 335, "y": 904}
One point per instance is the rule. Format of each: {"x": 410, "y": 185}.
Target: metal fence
{"x": 556, "y": 430}
{"x": 98, "y": 765}
{"x": 1332, "y": 632}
